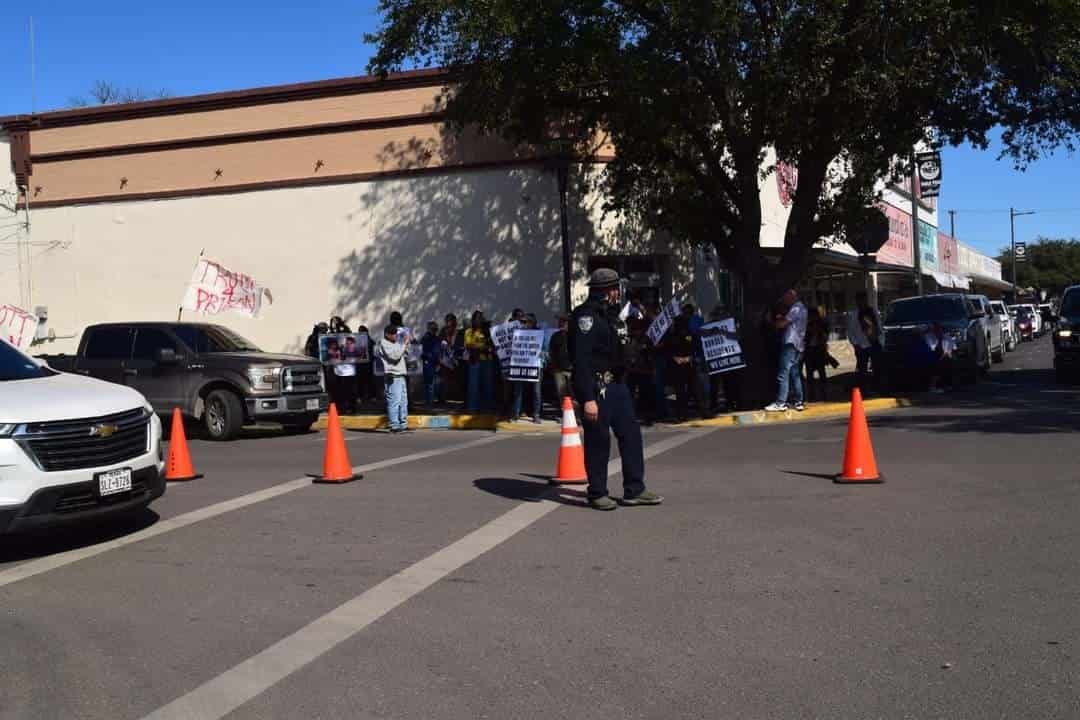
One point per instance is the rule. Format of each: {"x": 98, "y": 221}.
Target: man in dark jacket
{"x": 559, "y": 359}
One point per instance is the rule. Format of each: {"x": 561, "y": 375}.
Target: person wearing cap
{"x": 597, "y": 351}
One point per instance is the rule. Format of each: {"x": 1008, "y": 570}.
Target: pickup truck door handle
{"x": 130, "y": 371}
{"x": 196, "y": 366}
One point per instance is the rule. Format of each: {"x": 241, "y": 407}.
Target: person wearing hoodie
{"x": 392, "y": 353}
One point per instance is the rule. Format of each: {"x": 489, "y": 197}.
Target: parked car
{"x": 72, "y": 449}
{"x": 1036, "y": 316}
{"x": 995, "y": 335}
{"x": 1067, "y": 337}
{"x": 1008, "y": 324}
{"x": 907, "y": 321}
{"x": 212, "y": 374}
{"x": 1025, "y": 322}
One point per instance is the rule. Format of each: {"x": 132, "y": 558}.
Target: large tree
{"x": 694, "y": 93}
{"x": 1051, "y": 264}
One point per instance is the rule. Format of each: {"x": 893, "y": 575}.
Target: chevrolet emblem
{"x": 104, "y": 430}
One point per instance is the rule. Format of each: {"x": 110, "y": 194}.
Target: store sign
{"x": 897, "y": 249}
{"x": 928, "y": 167}
{"x": 1021, "y": 252}
{"x": 948, "y": 254}
{"x": 928, "y": 246}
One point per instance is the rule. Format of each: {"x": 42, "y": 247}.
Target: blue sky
{"x": 199, "y": 46}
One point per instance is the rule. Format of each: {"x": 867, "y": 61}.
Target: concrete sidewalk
{"x": 468, "y": 421}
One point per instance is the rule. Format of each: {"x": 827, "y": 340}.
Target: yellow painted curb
{"x": 491, "y": 422}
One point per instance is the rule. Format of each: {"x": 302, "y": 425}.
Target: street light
{"x": 1013, "y": 214}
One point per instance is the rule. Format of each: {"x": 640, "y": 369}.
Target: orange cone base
{"x": 183, "y": 479}
{"x": 568, "y": 481}
{"x": 841, "y": 480}
{"x": 320, "y": 479}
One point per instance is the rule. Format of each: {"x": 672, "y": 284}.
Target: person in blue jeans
{"x": 393, "y": 354}
{"x": 431, "y": 354}
{"x": 789, "y": 377}
{"x": 480, "y": 352}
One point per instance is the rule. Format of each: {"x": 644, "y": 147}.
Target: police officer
{"x": 597, "y": 349}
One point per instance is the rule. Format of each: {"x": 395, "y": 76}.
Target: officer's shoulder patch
{"x": 584, "y": 323}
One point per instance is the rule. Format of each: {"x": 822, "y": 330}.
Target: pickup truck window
{"x": 113, "y": 343}
{"x": 149, "y": 340}
{"x": 213, "y": 339}
{"x": 16, "y": 366}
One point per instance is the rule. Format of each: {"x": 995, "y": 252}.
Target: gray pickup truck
{"x": 212, "y": 374}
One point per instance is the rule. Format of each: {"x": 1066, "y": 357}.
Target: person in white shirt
{"x": 789, "y": 377}
{"x": 864, "y": 334}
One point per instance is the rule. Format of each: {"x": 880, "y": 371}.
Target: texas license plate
{"x": 313, "y": 404}
{"x": 114, "y": 481}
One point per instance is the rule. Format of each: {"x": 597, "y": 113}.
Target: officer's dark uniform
{"x": 599, "y": 367}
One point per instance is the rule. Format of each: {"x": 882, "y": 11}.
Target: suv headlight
{"x": 264, "y": 378}
{"x": 6, "y": 429}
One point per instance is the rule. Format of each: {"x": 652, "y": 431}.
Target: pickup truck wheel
{"x": 999, "y": 356}
{"x": 224, "y": 415}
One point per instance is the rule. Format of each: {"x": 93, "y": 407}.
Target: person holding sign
{"x": 598, "y": 381}
{"x": 527, "y": 367}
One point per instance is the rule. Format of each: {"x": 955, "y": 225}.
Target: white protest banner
{"x": 721, "y": 348}
{"x": 526, "y": 353}
{"x": 502, "y": 336}
{"x": 17, "y": 326}
{"x": 214, "y": 289}
{"x": 663, "y": 321}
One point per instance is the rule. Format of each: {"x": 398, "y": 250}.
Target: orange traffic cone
{"x": 178, "y": 467}
{"x": 336, "y": 465}
{"x": 859, "y": 463}
{"x": 571, "y": 470}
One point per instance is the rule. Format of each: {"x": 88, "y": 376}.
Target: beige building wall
{"x": 427, "y": 245}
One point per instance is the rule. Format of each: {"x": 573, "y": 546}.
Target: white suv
{"x": 72, "y": 448}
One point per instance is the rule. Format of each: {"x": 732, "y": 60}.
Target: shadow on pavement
{"x": 817, "y": 476}
{"x": 50, "y": 541}
{"x": 528, "y": 491}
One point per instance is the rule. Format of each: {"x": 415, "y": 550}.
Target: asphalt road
{"x": 451, "y": 583}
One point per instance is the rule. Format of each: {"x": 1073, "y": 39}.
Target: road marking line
{"x": 52, "y": 562}
{"x": 220, "y": 696}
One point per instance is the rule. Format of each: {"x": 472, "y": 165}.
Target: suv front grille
{"x": 303, "y": 379}
{"x": 73, "y": 444}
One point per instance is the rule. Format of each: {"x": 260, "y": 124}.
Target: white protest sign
{"x": 502, "y": 336}
{"x": 526, "y": 355}
{"x": 663, "y": 321}
{"x": 721, "y": 348}
{"x": 215, "y": 289}
{"x": 17, "y": 326}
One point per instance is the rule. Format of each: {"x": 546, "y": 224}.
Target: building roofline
{"x": 427, "y": 77}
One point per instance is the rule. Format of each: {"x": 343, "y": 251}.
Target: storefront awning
{"x": 990, "y": 282}
{"x": 948, "y": 280}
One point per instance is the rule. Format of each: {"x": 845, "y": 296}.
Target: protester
{"x": 864, "y": 334}
{"x": 311, "y": 346}
{"x": 789, "y": 378}
{"x": 431, "y": 356}
{"x": 452, "y": 348}
{"x": 365, "y": 371}
{"x": 729, "y": 381}
{"x": 640, "y": 371}
{"x": 817, "y": 356}
{"x": 393, "y": 353}
{"x": 679, "y": 343}
{"x": 559, "y": 359}
{"x": 660, "y": 370}
{"x": 481, "y": 395}
{"x": 520, "y": 387}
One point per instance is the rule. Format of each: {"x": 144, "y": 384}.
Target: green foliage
{"x": 1053, "y": 265}
{"x": 694, "y": 93}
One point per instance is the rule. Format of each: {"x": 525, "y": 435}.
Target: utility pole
{"x": 1013, "y": 214}
{"x": 916, "y": 251}
{"x": 952, "y": 224}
